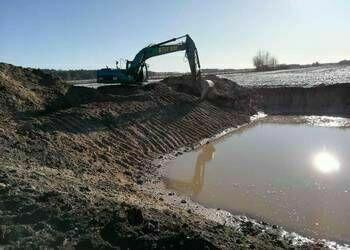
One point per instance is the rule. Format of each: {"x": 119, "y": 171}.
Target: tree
{"x": 264, "y": 61}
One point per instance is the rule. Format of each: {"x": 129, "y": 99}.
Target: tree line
{"x": 71, "y": 75}
{"x": 264, "y": 61}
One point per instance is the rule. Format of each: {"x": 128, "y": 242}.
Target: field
{"x": 296, "y": 77}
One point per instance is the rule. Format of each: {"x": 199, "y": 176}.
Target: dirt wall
{"x": 318, "y": 100}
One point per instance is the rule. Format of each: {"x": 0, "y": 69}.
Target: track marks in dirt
{"x": 129, "y": 134}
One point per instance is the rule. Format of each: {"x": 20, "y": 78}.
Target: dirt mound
{"x": 78, "y": 95}
{"x": 225, "y": 93}
{"x": 27, "y": 89}
{"x": 74, "y": 97}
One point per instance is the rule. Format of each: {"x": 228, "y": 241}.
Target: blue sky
{"x": 91, "y": 34}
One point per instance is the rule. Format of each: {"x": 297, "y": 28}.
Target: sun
{"x": 325, "y": 162}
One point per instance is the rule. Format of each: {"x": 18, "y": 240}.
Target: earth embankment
{"x": 333, "y": 100}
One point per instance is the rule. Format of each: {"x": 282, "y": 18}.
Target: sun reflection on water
{"x": 325, "y": 162}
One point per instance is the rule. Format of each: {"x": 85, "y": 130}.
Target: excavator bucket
{"x": 193, "y": 58}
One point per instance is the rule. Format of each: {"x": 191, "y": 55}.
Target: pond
{"x": 289, "y": 171}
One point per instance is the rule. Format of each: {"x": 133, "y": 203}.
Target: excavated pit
{"x": 74, "y": 161}
{"x": 333, "y": 100}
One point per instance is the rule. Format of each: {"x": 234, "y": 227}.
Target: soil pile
{"x": 76, "y": 95}
{"x": 224, "y": 93}
{"x": 27, "y": 89}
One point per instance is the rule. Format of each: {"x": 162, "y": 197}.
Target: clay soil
{"x": 75, "y": 163}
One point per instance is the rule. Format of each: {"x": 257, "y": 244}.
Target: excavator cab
{"x": 108, "y": 75}
{"x": 136, "y": 71}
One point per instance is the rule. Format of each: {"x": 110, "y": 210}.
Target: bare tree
{"x": 258, "y": 60}
{"x": 264, "y": 61}
{"x": 273, "y": 62}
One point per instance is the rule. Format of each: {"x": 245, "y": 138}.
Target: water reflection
{"x": 195, "y": 185}
{"x": 326, "y": 162}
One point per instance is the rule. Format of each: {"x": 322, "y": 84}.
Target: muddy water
{"x": 293, "y": 174}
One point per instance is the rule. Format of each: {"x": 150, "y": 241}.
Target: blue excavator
{"x": 136, "y": 71}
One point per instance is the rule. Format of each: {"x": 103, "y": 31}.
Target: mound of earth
{"x": 77, "y": 95}
{"x": 27, "y": 89}
{"x": 224, "y": 93}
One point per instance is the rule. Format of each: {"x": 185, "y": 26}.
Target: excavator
{"x": 136, "y": 71}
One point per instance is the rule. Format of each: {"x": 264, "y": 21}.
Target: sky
{"x": 90, "y": 34}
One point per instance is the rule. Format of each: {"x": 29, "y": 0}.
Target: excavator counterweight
{"x": 136, "y": 70}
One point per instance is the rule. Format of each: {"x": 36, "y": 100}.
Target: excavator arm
{"x": 136, "y": 66}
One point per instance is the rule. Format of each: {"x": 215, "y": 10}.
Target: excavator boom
{"x": 136, "y": 70}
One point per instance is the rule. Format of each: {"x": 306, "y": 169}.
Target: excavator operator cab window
{"x": 127, "y": 64}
